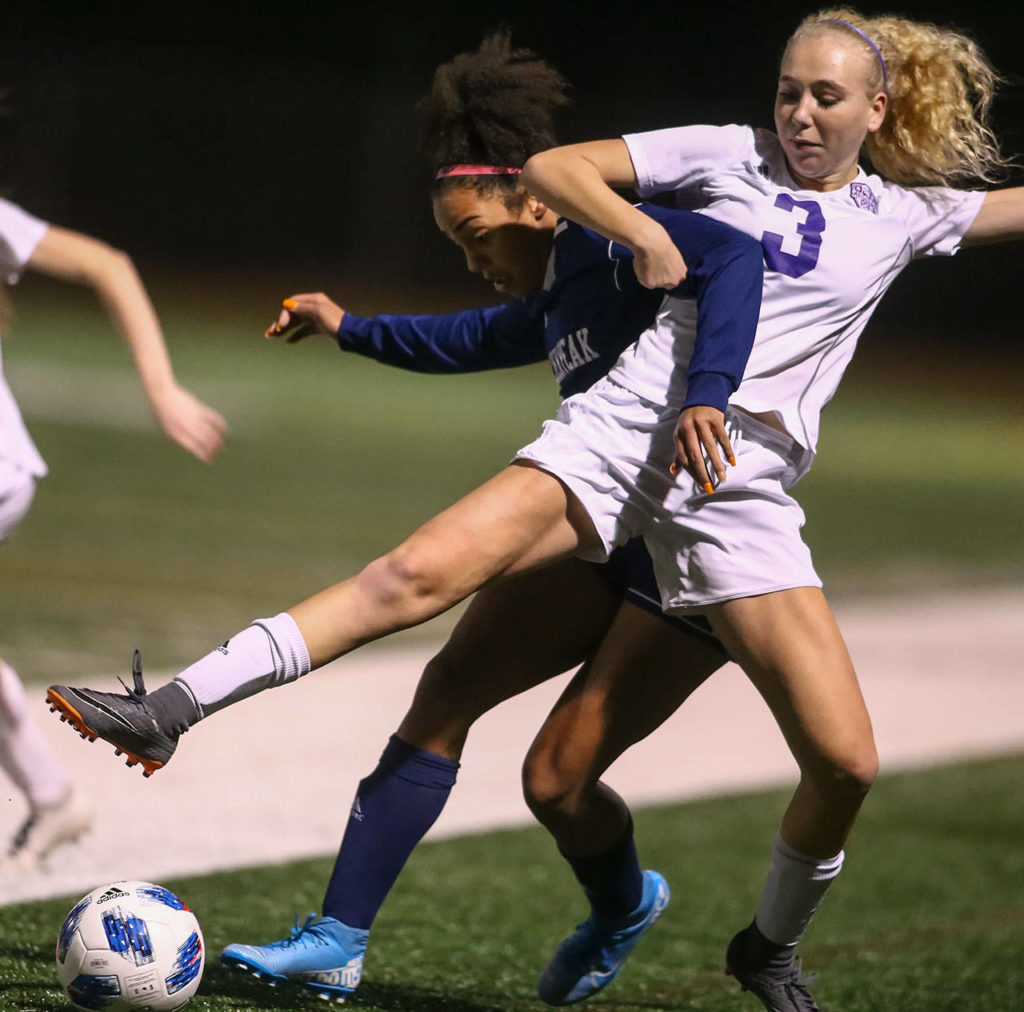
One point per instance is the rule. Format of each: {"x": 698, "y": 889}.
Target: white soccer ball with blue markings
{"x": 130, "y": 945}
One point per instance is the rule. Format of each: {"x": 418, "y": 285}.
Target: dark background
{"x": 263, "y": 137}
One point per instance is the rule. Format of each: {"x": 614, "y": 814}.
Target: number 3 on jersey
{"x": 795, "y": 265}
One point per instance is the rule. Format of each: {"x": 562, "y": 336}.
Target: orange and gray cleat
{"x": 126, "y": 720}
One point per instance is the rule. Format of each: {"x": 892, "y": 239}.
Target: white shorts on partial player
{"x": 613, "y": 451}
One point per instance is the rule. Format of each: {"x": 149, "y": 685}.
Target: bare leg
{"x": 791, "y": 649}
{"x": 645, "y": 668}
{"x": 514, "y": 635}
{"x": 789, "y": 645}
{"x": 520, "y": 519}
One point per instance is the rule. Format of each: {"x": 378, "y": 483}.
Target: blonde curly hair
{"x": 940, "y": 88}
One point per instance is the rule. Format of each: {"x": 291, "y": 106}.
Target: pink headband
{"x": 865, "y": 37}
{"x": 476, "y": 170}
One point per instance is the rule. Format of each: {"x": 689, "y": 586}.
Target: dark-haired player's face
{"x": 509, "y": 248}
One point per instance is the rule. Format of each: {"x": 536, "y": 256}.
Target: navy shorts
{"x": 630, "y": 572}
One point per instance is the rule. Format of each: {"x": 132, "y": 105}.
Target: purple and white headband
{"x": 867, "y": 39}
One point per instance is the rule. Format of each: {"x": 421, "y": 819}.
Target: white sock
{"x": 794, "y": 890}
{"x": 24, "y": 754}
{"x": 269, "y": 652}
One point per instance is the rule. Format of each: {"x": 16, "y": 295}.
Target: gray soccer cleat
{"x": 778, "y": 990}
{"x": 128, "y": 722}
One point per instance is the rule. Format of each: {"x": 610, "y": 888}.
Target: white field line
{"x": 271, "y": 779}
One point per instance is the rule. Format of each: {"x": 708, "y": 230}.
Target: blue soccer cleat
{"x": 592, "y": 956}
{"x": 324, "y": 956}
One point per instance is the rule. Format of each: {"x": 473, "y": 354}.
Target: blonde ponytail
{"x": 940, "y": 88}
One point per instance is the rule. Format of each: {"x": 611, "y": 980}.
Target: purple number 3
{"x": 795, "y": 265}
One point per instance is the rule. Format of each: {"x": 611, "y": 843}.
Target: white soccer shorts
{"x": 613, "y": 451}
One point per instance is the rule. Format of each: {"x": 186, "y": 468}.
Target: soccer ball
{"x": 130, "y": 945}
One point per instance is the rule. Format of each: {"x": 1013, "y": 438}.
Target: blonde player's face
{"x": 824, "y": 109}
{"x": 509, "y": 248}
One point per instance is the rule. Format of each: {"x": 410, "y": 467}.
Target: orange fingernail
{"x": 290, "y": 304}
{"x": 732, "y": 460}
{"x": 673, "y": 468}
{"x": 708, "y": 488}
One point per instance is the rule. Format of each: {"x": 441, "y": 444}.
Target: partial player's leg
{"x": 646, "y": 667}
{"x": 57, "y": 814}
{"x": 513, "y": 636}
{"x": 520, "y": 519}
{"x": 793, "y": 652}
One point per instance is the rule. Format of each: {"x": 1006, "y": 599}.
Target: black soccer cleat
{"x": 779, "y": 990}
{"x": 128, "y": 722}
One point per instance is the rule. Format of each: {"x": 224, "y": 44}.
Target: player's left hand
{"x": 699, "y": 433}
{"x": 189, "y": 422}
{"x": 304, "y": 314}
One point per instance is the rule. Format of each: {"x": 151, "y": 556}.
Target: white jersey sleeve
{"x": 681, "y": 158}
{"x": 20, "y": 233}
{"x": 936, "y": 218}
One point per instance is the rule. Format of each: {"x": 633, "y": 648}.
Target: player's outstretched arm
{"x": 71, "y": 256}
{"x": 1000, "y": 219}
{"x": 492, "y": 337}
{"x": 576, "y": 181}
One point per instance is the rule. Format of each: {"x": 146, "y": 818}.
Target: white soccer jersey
{"x": 829, "y": 257}
{"x": 20, "y": 233}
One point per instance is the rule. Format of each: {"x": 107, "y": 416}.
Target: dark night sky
{"x": 261, "y": 133}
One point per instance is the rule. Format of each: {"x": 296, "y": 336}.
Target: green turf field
{"x": 332, "y": 460}
{"x": 928, "y": 915}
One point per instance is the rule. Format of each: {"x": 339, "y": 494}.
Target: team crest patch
{"x": 863, "y": 197}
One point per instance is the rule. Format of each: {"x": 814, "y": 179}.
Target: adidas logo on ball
{"x": 111, "y": 894}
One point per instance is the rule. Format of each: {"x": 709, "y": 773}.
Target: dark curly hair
{"x": 494, "y": 106}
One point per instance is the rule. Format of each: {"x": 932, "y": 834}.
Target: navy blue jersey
{"x": 591, "y": 309}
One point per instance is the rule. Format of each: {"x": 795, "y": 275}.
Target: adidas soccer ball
{"x": 130, "y": 945}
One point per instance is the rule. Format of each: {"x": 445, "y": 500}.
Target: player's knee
{"x": 846, "y": 773}
{"x": 408, "y": 573}
{"x": 550, "y": 789}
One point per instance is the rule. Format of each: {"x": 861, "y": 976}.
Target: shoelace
{"x": 139, "y": 689}
{"x": 301, "y": 930}
{"x": 798, "y": 985}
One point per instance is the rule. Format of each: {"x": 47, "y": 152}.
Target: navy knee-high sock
{"x": 612, "y": 880}
{"x": 393, "y": 809}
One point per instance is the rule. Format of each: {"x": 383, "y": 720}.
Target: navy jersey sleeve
{"x": 725, "y": 271}
{"x": 470, "y": 341}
